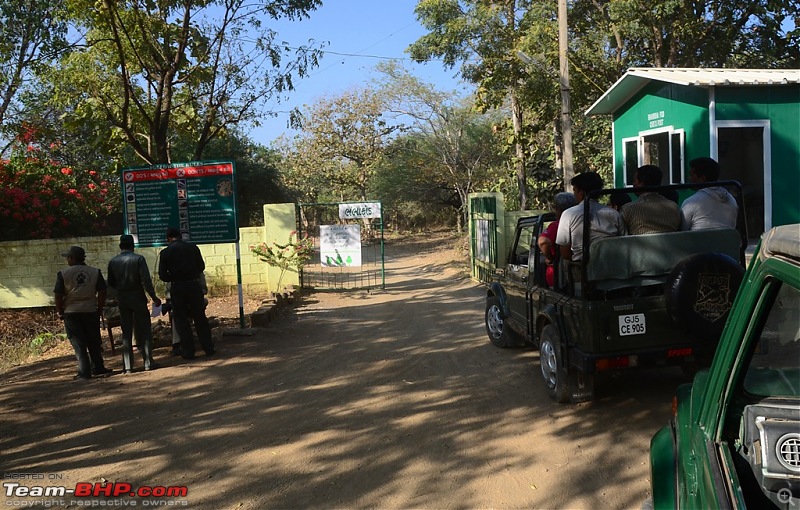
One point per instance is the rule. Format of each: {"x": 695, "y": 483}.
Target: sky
{"x": 359, "y": 34}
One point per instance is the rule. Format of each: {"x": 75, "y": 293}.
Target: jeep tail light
{"x": 675, "y": 406}
{"x": 615, "y": 363}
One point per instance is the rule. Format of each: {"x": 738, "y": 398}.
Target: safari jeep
{"x": 633, "y": 301}
{"x": 734, "y": 438}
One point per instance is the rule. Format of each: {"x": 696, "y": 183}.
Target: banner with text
{"x": 198, "y": 198}
{"x": 340, "y": 245}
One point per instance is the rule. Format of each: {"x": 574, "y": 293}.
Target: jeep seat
{"x": 647, "y": 259}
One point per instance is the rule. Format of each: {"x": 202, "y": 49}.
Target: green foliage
{"x": 33, "y": 35}
{"x": 191, "y": 69}
{"x": 343, "y": 142}
{"x": 257, "y": 176}
{"x": 44, "y": 342}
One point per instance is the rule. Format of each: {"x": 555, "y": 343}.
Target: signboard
{"x": 340, "y": 245}
{"x": 198, "y": 198}
{"x": 358, "y": 210}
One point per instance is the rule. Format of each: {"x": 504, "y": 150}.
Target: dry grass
{"x": 28, "y": 332}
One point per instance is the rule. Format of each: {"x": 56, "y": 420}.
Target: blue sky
{"x": 357, "y": 33}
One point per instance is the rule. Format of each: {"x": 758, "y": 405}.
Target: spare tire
{"x": 700, "y": 291}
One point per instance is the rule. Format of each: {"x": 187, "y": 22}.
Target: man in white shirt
{"x": 604, "y": 222}
{"x": 710, "y": 207}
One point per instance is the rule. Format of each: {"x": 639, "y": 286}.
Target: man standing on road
{"x": 80, "y": 294}
{"x": 710, "y": 207}
{"x": 129, "y": 275}
{"x": 181, "y": 264}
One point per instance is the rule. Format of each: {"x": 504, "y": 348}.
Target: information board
{"x": 340, "y": 245}
{"x": 199, "y": 198}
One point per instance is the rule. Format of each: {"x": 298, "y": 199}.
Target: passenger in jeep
{"x": 651, "y": 213}
{"x": 604, "y": 221}
{"x": 710, "y": 207}
{"x": 547, "y": 239}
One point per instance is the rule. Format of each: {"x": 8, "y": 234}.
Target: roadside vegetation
{"x": 28, "y": 333}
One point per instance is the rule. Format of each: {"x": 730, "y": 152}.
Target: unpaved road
{"x": 384, "y": 399}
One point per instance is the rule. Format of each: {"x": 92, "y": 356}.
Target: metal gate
{"x": 348, "y": 245}
{"x": 484, "y": 228}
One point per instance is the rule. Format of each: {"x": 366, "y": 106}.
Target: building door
{"x": 742, "y": 149}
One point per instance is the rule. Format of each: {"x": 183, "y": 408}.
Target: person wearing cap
{"x": 604, "y": 221}
{"x": 80, "y": 295}
{"x": 181, "y": 264}
{"x": 129, "y": 275}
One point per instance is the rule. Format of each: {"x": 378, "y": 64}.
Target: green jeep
{"x": 734, "y": 438}
{"x": 633, "y": 301}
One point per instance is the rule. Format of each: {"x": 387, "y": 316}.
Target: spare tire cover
{"x": 700, "y": 291}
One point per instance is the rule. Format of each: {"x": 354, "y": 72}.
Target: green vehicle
{"x": 634, "y": 301}
{"x": 734, "y": 438}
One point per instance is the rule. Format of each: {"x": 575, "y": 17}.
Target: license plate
{"x": 633, "y": 324}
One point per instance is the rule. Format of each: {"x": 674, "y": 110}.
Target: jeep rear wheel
{"x": 555, "y": 376}
{"x": 700, "y": 291}
{"x": 496, "y": 327}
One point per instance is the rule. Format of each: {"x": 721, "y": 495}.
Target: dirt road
{"x": 385, "y": 399}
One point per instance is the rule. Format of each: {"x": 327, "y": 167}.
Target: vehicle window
{"x": 774, "y": 369}
{"x": 523, "y": 247}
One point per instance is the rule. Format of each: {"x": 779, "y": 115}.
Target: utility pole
{"x": 563, "y": 75}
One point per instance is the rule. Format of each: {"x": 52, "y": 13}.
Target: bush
{"x": 41, "y": 199}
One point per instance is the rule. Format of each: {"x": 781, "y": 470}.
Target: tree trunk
{"x": 519, "y": 160}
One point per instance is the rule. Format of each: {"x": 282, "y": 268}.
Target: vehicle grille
{"x": 788, "y": 449}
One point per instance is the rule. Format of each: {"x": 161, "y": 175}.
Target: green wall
{"x": 781, "y": 105}
{"x": 684, "y": 108}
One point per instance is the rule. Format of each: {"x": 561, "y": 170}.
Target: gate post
{"x": 487, "y": 234}
{"x": 280, "y": 220}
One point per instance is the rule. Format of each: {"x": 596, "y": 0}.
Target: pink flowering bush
{"x": 41, "y": 199}
{"x": 291, "y": 256}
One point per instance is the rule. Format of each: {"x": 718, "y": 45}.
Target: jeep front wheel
{"x": 555, "y": 376}
{"x": 496, "y": 327}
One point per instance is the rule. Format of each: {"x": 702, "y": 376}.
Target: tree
{"x": 457, "y": 143}
{"x": 257, "y": 176}
{"x": 193, "y": 68}
{"x": 34, "y": 34}
{"x": 482, "y": 36}
{"x": 344, "y": 139}
{"x": 695, "y": 33}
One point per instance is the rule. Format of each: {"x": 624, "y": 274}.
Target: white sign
{"x": 360, "y": 210}
{"x": 633, "y": 324}
{"x": 340, "y": 245}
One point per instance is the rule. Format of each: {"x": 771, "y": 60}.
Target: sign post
{"x": 199, "y": 198}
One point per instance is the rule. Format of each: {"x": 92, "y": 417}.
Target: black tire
{"x": 497, "y": 329}
{"x": 555, "y": 376}
{"x": 700, "y": 291}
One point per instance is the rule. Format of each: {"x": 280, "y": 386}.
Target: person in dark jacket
{"x": 129, "y": 275}
{"x": 181, "y": 264}
{"x": 80, "y": 294}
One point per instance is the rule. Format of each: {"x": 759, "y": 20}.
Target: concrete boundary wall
{"x": 28, "y": 268}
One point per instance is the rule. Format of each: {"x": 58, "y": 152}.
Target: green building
{"x": 746, "y": 119}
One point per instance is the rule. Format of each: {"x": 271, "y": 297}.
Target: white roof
{"x": 637, "y": 78}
